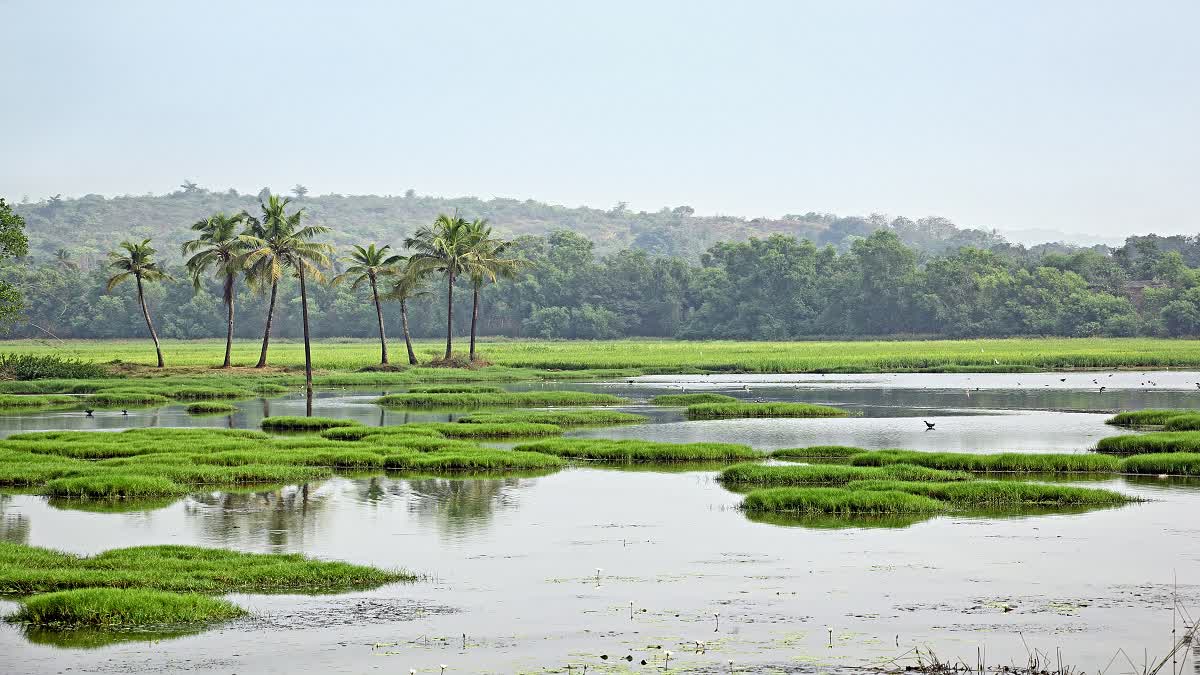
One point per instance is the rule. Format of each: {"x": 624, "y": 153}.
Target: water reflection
{"x": 14, "y": 524}
{"x": 457, "y": 506}
{"x": 284, "y": 518}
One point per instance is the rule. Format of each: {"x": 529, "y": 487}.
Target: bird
{"x": 124, "y": 412}
{"x": 928, "y": 425}
{"x": 88, "y": 412}
{"x": 745, "y": 387}
{"x": 1062, "y": 379}
{"x": 1102, "y": 388}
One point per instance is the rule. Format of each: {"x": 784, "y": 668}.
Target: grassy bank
{"x": 681, "y": 356}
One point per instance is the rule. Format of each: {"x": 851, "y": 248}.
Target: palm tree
{"x": 63, "y": 257}
{"x": 408, "y": 285}
{"x": 369, "y": 263}
{"x": 444, "y": 247}
{"x": 265, "y": 268}
{"x": 487, "y": 263}
{"x": 220, "y": 248}
{"x": 138, "y": 262}
{"x": 287, "y": 245}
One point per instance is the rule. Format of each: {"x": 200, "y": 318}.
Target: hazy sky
{"x": 1081, "y": 116}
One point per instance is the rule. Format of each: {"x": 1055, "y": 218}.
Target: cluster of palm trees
{"x": 263, "y": 249}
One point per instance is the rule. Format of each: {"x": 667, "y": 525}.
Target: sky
{"x": 1077, "y": 116}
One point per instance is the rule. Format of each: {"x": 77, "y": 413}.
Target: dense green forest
{"x": 849, "y": 276}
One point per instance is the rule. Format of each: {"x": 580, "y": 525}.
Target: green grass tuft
{"x": 287, "y": 422}
{"x": 1004, "y": 462}
{"x": 1154, "y": 443}
{"x": 1149, "y": 417}
{"x": 515, "y": 399}
{"x": 113, "y": 607}
{"x": 562, "y": 418}
{"x": 832, "y": 475}
{"x": 496, "y": 430}
{"x": 990, "y": 493}
{"x": 640, "y": 451}
{"x": 111, "y": 485}
{"x": 1170, "y": 463}
{"x": 210, "y": 408}
{"x": 818, "y": 452}
{"x": 838, "y": 501}
{"x": 455, "y": 389}
{"x": 716, "y": 411}
{"x": 690, "y": 399}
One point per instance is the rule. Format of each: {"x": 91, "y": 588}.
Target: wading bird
{"x": 928, "y": 425}
{"x": 88, "y": 412}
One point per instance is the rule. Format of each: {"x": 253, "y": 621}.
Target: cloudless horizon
{"x": 1073, "y": 116}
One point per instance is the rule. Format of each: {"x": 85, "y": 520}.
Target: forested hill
{"x": 90, "y": 226}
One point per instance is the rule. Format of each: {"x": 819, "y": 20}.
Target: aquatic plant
{"x": 1003, "y": 462}
{"x": 515, "y": 399}
{"x": 115, "y": 398}
{"x": 1149, "y": 417}
{"x": 825, "y": 474}
{"x": 639, "y": 451}
{"x": 562, "y": 418}
{"x": 286, "y": 422}
{"x": 110, "y": 485}
{"x": 29, "y": 402}
{"x": 1188, "y": 422}
{"x": 990, "y": 493}
{"x": 690, "y": 399}
{"x": 838, "y": 501}
{"x": 496, "y": 430}
{"x": 112, "y": 607}
{"x": 1170, "y": 463}
{"x": 455, "y": 389}
{"x": 817, "y": 452}
{"x": 210, "y": 408}
{"x": 714, "y": 411}
{"x": 1158, "y": 442}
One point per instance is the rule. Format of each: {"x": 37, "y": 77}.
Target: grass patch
{"x": 455, "y": 389}
{"x": 1155, "y": 443}
{"x": 832, "y": 475}
{"x": 1170, "y": 463}
{"x": 1149, "y": 417}
{"x": 357, "y": 433}
{"x": 497, "y": 430}
{"x": 211, "y": 408}
{"x": 111, "y": 486}
{"x": 841, "y": 501}
{"x": 513, "y": 399}
{"x": 991, "y": 493}
{"x": 640, "y": 451}
{"x": 114, "y": 399}
{"x": 690, "y": 399}
{"x": 717, "y": 411}
{"x": 562, "y": 418}
{"x": 1012, "y": 462}
{"x": 817, "y": 452}
{"x": 295, "y": 423}
{"x": 33, "y": 402}
{"x": 99, "y": 607}
{"x": 1186, "y": 422}
{"x": 478, "y": 460}
{"x": 182, "y": 569}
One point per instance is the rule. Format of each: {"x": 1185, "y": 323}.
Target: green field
{"x": 676, "y": 355}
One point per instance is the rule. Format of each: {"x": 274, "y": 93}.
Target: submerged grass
{"x": 832, "y": 475}
{"x": 287, "y": 422}
{"x": 562, "y": 418}
{"x": 514, "y": 399}
{"x": 640, "y": 451}
{"x": 102, "y": 607}
{"x": 690, "y": 399}
{"x": 715, "y": 411}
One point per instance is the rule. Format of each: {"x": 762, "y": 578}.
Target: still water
{"x": 512, "y": 562}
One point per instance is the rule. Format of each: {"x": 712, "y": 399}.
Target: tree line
{"x": 558, "y": 286}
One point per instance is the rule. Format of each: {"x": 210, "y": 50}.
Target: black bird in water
{"x": 124, "y": 412}
{"x": 88, "y": 412}
{"x": 1102, "y": 389}
{"x": 928, "y": 425}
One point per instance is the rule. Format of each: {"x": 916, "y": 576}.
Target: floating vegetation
{"x": 832, "y": 475}
{"x": 514, "y": 399}
{"x": 1013, "y": 462}
{"x": 1170, "y": 464}
{"x": 1149, "y": 417}
{"x": 691, "y": 399}
{"x": 562, "y": 418}
{"x": 291, "y": 423}
{"x": 716, "y": 411}
{"x": 211, "y": 408}
{"x": 112, "y": 607}
{"x": 1158, "y": 442}
{"x": 817, "y": 452}
{"x": 640, "y": 451}
{"x": 182, "y": 569}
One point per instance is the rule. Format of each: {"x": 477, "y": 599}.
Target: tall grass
{"x": 716, "y": 411}
{"x": 640, "y": 451}
{"x": 112, "y": 607}
{"x": 1188, "y": 422}
{"x": 514, "y": 399}
{"x": 1005, "y": 462}
{"x": 832, "y": 475}
{"x": 285, "y": 422}
{"x": 40, "y": 367}
{"x": 690, "y": 399}
{"x": 1159, "y": 442}
{"x": 562, "y": 418}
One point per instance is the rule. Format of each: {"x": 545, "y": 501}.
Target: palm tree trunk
{"x": 474, "y": 317}
{"x": 412, "y": 358}
{"x": 449, "y": 315}
{"x": 149, "y": 323}
{"x": 262, "y": 358}
{"x": 383, "y": 359}
{"x": 307, "y": 345}
{"x": 229, "y": 281}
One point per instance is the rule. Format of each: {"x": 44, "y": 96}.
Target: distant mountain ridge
{"x": 91, "y": 225}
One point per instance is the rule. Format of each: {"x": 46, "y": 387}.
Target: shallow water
{"x": 513, "y": 562}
